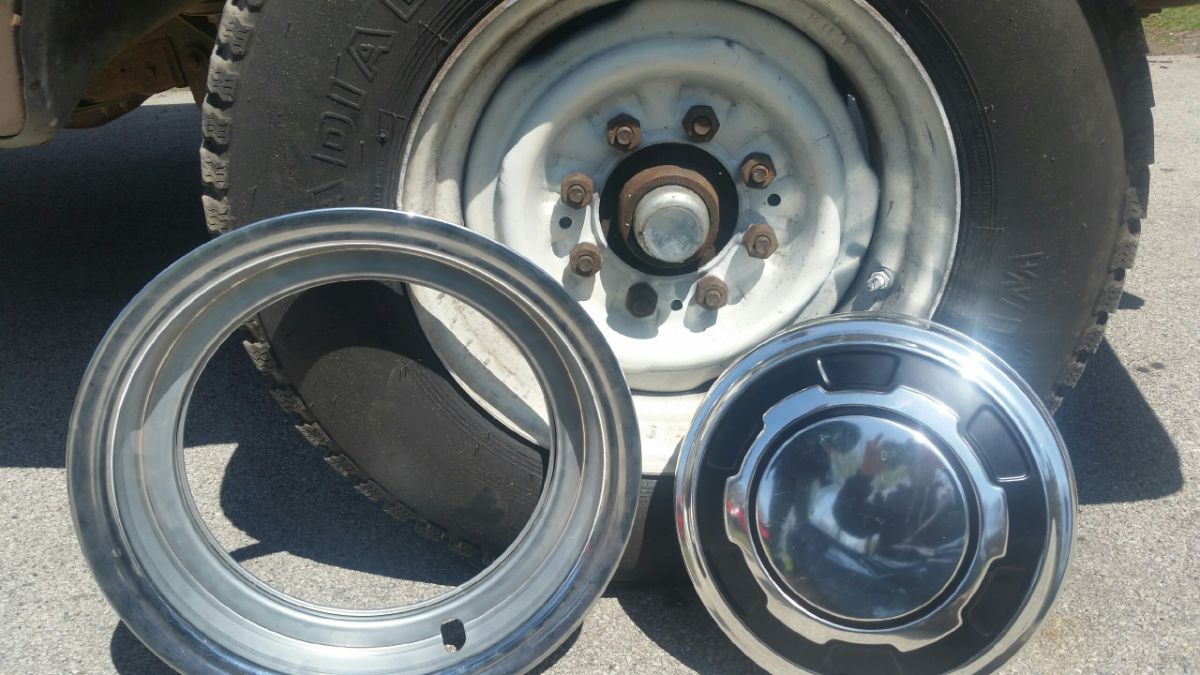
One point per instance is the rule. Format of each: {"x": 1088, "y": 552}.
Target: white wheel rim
{"x": 495, "y": 135}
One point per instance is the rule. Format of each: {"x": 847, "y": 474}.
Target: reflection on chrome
{"x": 862, "y": 517}
{"x": 865, "y": 517}
{"x": 827, "y": 591}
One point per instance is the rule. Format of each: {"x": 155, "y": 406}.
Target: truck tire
{"x": 312, "y": 104}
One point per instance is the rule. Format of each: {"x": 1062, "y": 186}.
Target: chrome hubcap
{"x": 905, "y": 506}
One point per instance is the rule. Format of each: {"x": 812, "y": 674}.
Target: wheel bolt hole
{"x": 676, "y": 305}
{"x": 774, "y": 200}
{"x": 454, "y": 635}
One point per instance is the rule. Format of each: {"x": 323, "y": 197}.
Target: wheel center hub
{"x": 671, "y": 223}
{"x": 669, "y": 216}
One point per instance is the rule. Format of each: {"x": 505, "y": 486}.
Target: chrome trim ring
{"x": 181, "y": 593}
{"x": 990, "y": 427}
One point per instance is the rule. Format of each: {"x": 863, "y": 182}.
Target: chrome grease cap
{"x": 861, "y": 517}
{"x": 905, "y": 505}
{"x": 671, "y": 223}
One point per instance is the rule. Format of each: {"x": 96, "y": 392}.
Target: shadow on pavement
{"x": 676, "y": 621}
{"x": 1119, "y": 448}
{"x": 131, "y": 657}
{"x": 277, "y": 488}
{"x": 85, "y": 222}
{"x": 557, "y": 654}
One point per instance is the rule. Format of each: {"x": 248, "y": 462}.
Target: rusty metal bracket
{"x": 12, "y": 104}
{"x": 174, "y": 54}
{"x": 64, "y": 45}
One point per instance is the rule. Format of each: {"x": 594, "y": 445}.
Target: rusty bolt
{"x": 758, "y": 171}
{"x": 197, "y": 58}
{"x": 624, "y": 132}
{"x": 701, "y": 123}
{"x": 712, "y": 293}
{"x": 586, "y": 260}
{"x": 577, "y": 190}
{"x": 642, "y": 300}
{"x": 760, "y": 241}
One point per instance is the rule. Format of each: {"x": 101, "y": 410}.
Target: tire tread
{"x": 234, "y": 39}
{"x": 1135, "y": 93}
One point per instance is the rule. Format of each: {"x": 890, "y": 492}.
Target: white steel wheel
{"x": 696, "y": 186}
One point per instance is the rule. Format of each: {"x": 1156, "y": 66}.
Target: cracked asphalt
{"x": 88, "y": 219}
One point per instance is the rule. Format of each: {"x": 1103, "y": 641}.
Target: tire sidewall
{"x": 326, "y": 91}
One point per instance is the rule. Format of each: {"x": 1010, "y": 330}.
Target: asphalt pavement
{"x": 88, "y": 219}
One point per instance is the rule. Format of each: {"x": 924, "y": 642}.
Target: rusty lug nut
{"x": 758, "y": 171}
{"x": 701, "y": 123}
{"x": 577, "y": 190}
{"x": 760, "y": 241}
{"x": 712, "y": 293}
{"x": 624, "y": 132}
{"x": 642, "y": 300}
{"x": 586, "y": 260}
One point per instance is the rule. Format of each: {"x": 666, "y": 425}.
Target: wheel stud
{"x": 586, "y": 260}
{"x": 577, "y": 190}
{"x": 758, "y": 171}
{"x": 701, "y": 123}
{"x": 642, "y": 300}
{"x": 712, "y": 293}
{"x": 624, "y": 132}
{"x": 760, "y": 241}
{"x": 879, "y": 281}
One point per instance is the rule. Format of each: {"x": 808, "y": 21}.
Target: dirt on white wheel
{"x": 859, "y": 183}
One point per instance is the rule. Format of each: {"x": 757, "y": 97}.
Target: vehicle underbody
{"x": 68, "y": 66}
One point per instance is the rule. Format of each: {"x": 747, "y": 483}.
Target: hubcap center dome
{"x": 671, "y": 223}
{"x": 862, "y": 517}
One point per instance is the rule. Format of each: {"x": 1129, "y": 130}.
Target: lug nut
{"x": 586, "y": 260}
{"x": 879, "y": 281}
{"x": 577, "y": 190}
{"x": 712, "y": 293}
{"x": 760, "y": 241}
{"x": 624, "y": 132}
{"x": 758, "y": 171}
{"x": 701, "y": 123}
{"x": 642, "y": 300}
